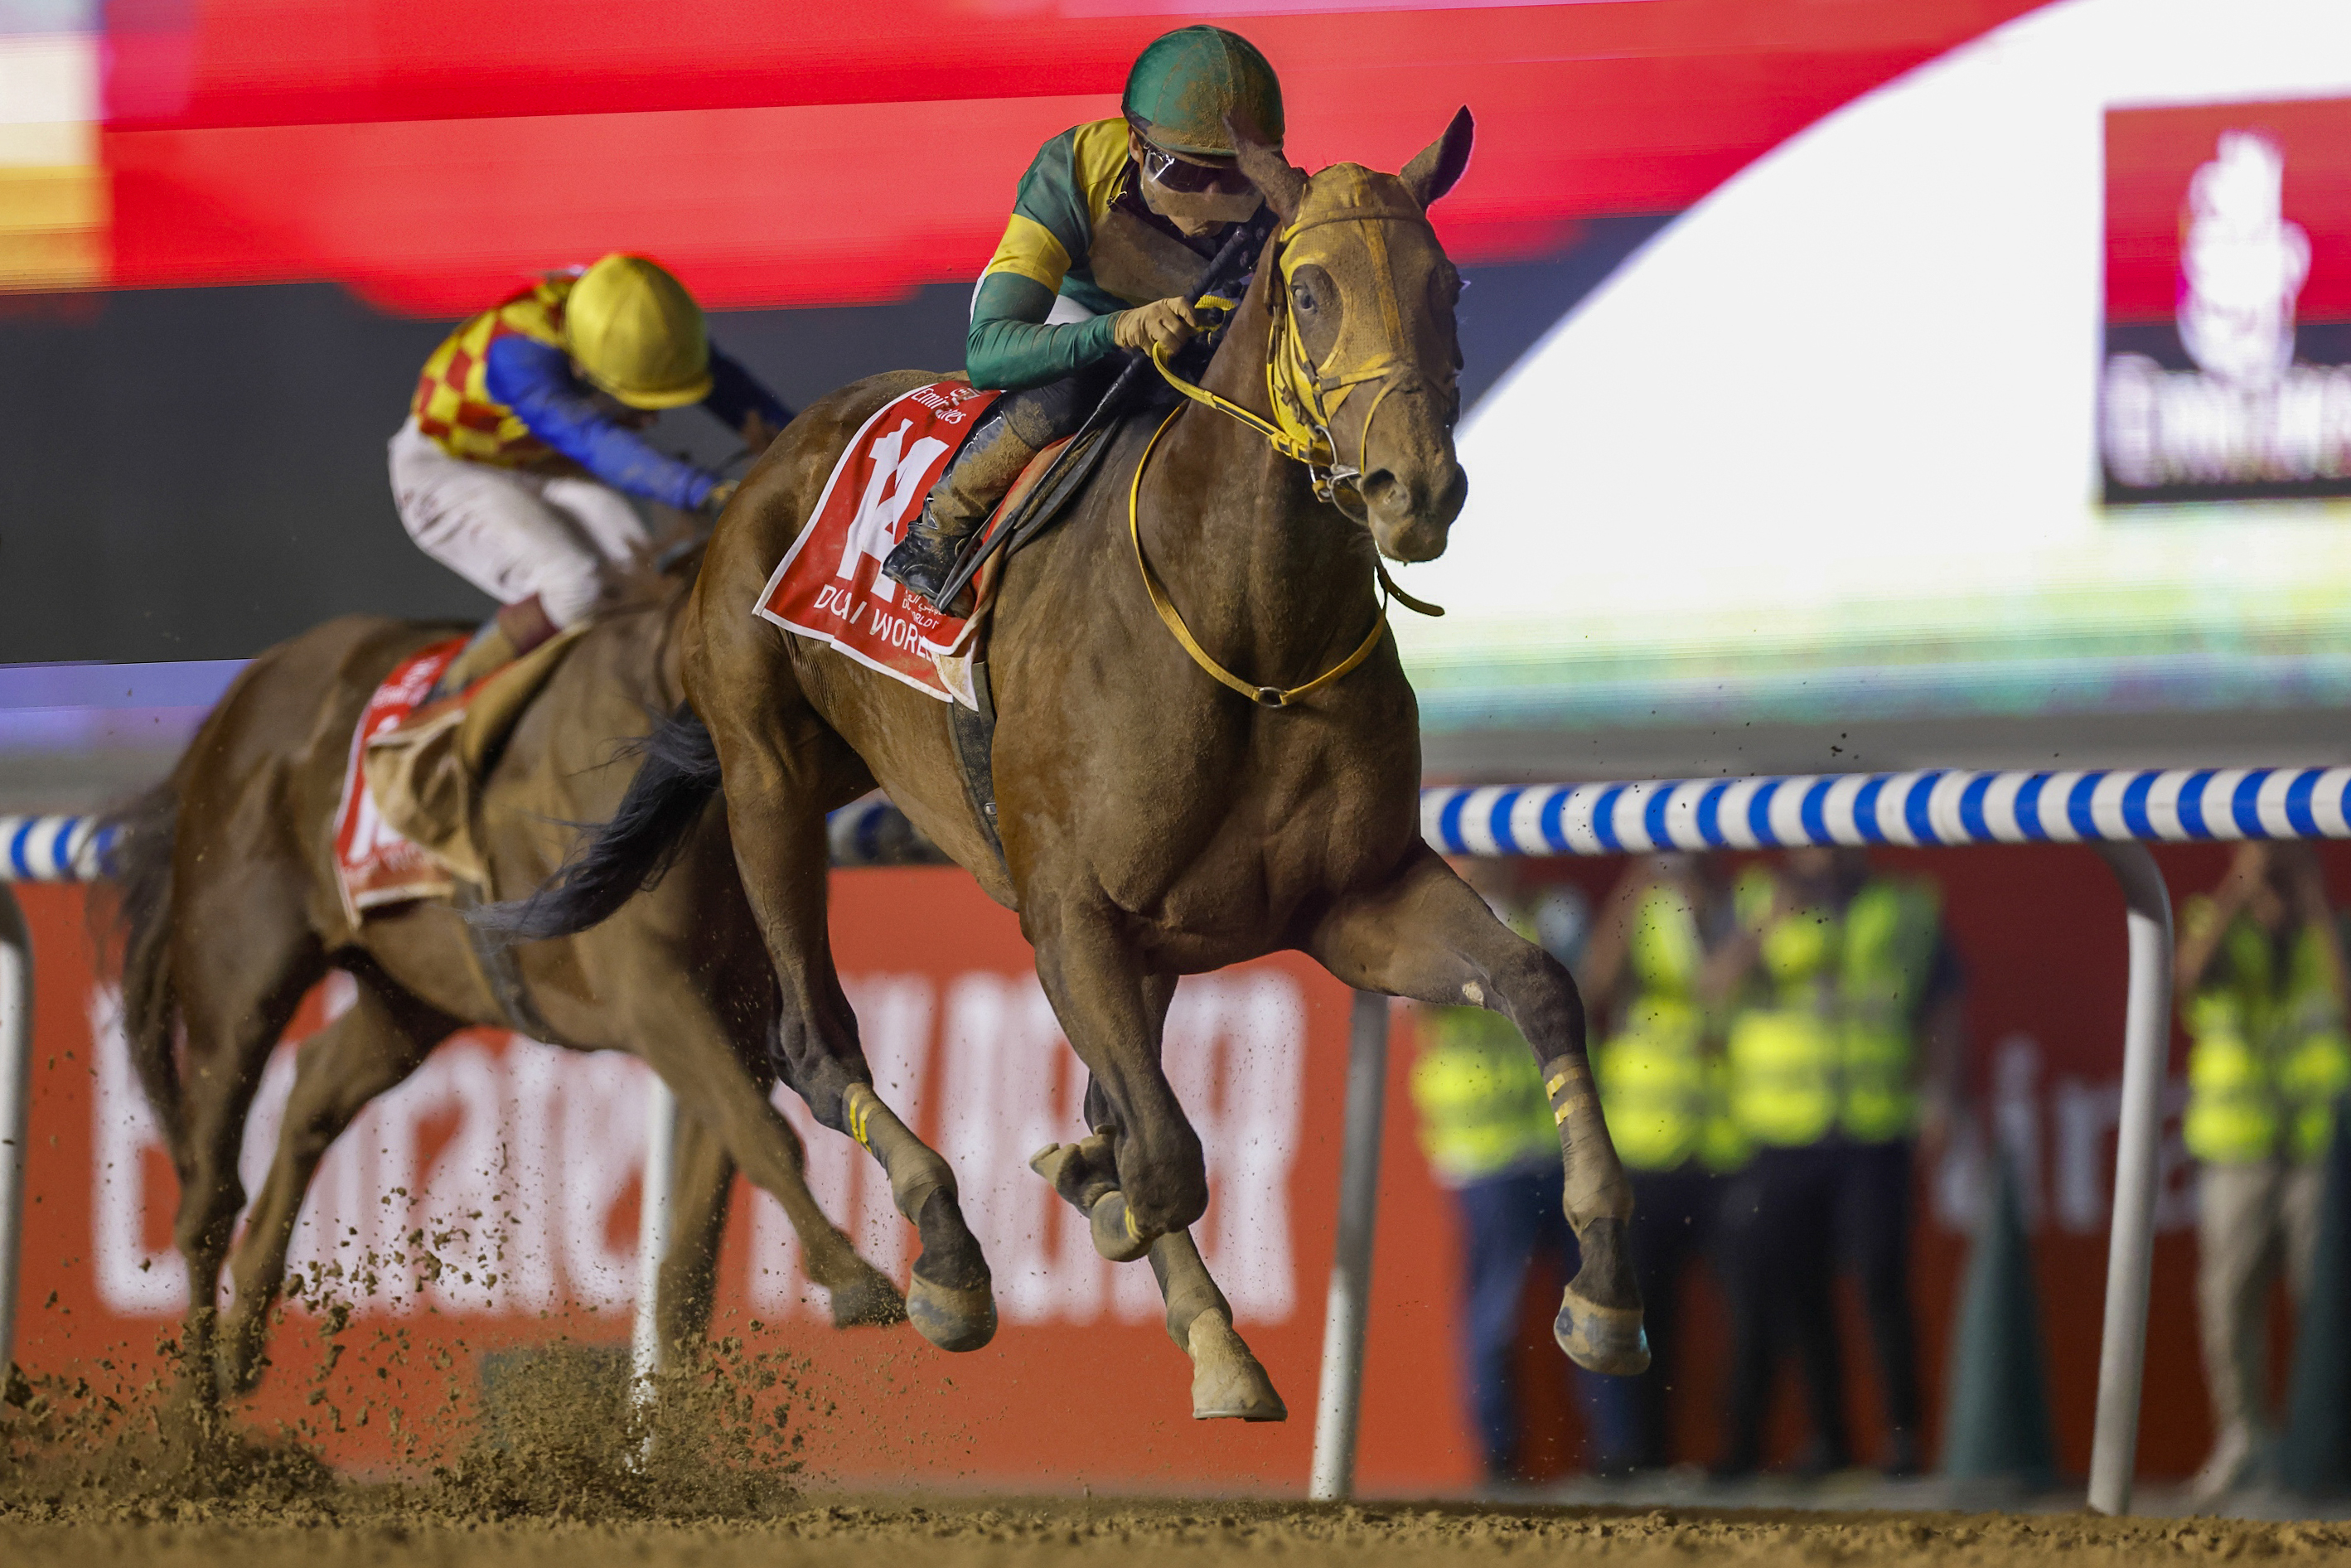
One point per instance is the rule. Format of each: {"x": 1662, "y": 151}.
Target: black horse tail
{"x": 141, "y": 837}
{"x": 615, "y": 860}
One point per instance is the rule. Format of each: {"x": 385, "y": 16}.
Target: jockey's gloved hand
{"x": 716, "y": 501}
{"x": 1169, "y": 323}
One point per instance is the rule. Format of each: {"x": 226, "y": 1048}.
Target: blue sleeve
{"x": 535, "y": 380}
{"x": 735, "y": 394}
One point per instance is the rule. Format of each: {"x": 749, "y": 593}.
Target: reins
{"x": 1264, "y": 696}
{"x": 1304, "y": 398}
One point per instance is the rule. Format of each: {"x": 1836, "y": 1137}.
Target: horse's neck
{"x": 1270, "y": 579}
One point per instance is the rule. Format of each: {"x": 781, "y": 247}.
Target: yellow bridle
{"x": 1305, "y": 398}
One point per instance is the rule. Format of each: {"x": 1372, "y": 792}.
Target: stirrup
{"x": 443, "y": 687}
{"x": 922, "y": 562}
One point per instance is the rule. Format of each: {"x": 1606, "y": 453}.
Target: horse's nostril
{"x": 1377, "y": 485}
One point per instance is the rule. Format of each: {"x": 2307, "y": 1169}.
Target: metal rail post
{"x": 2130, "y": 1254}
{"x": 15, "y": 1105}
{"x": 647, "y": 1355}
{"x": 1340, "y": 1400}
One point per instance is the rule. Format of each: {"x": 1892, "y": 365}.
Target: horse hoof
{"x": 235, "y": 1376}
{"x": 1051, "y": 1161}
{"x": 952, "y": 1319}
{"x": 870, "y": 1300}
{"x": 1608, "y": 1340}
{"x": 235, "y": 1362}
{"x": 1112, "y": 1224}
{"x": 1228, "y": 1382}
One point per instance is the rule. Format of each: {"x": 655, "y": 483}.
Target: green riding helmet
{"x": 1186, "y": 82}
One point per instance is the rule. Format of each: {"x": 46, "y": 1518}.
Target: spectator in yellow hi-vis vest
{"x": 1659, "y": 1067}
{"x": 1486, "y": 1128}
{"x": 1842, "y": 1046}
{"x": 2261, "y": 983}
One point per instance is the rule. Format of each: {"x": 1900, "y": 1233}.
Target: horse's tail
{"x": 616, "y": 861}
{"x": 143, "y": 834}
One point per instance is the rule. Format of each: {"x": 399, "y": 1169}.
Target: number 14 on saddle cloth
{"x": 830, "y": 586}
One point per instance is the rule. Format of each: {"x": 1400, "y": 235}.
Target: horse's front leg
{"x": 1426, "y": 935}
{"x": 1142, "y": 1179}
{"x": 1228, "y": 1382}
{"x": 1112, "y": 1010}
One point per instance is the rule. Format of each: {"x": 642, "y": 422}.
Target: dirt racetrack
{"x": 547, "y": 1460}
{"x": 363, "y": 1526}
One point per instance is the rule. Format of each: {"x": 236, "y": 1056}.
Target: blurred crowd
{"x": 1775, "y": 1044}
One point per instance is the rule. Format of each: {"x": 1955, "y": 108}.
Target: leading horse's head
{"x": 1363, "y": 343}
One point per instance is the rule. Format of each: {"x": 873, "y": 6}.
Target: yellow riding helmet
{"x": 635, "y": 332}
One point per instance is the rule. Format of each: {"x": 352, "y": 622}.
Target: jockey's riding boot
{"x": 965, "y": 494}
{"x": 505, "y": 637}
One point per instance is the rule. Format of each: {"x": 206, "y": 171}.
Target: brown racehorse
{"x": 1155, "y": 823}
{"x": 231, "y": 913}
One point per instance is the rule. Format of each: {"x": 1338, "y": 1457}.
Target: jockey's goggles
{"x": 1195, "y": 179}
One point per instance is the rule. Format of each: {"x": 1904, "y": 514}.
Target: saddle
{"x": 407, "y": 827}
{"x": 829, "y": 585}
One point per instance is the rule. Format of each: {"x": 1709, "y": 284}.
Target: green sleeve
{"x": 1049, "y": 196}
{"x": 1011, "y": 346}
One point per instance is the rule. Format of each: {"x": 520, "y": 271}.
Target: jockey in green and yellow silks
{"x": 1110, "y": 228}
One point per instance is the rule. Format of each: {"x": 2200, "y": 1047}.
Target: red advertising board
{"x": 965, "y": 1045}
{"x": 1080, "y": 1386}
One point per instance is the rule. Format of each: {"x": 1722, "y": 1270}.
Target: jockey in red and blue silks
{"x": 521, "y": 448}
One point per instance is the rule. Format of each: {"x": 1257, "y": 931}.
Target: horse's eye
{"x": 1304, "y": 295}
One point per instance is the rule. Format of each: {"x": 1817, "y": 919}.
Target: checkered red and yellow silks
{"x": 453, "y": 403}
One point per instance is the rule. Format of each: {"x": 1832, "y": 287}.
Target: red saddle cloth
{"x": 376, "y": 862}
{"x": 830, "y": 586}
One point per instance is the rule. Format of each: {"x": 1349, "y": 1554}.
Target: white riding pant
{"x": 510, "y": 533}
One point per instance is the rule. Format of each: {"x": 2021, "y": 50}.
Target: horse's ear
{"x": 1440, "y": 163}
{"x": 1281, "y": 184}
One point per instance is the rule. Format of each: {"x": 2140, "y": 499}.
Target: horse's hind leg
{"x": 951, "y": 1299}
{"x": 680, "y": 1036}
{"x": 369, "y": 1050}
{"x": 701, "y": 1186}
{"x": 1426, "y": 935}
{"x": 244, "y": 957}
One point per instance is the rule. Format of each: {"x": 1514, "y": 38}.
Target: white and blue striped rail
{"x": 53, "y": 849}
{"x": 1945, "y": 806}
{"x": 867, "y": 832}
